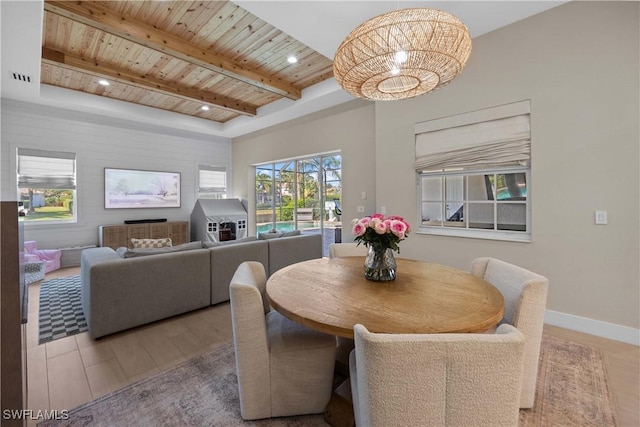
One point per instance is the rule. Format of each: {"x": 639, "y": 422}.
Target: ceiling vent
{"x": 21, "y": 77}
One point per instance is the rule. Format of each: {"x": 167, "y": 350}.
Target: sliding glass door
{"x": 300, "y": 194}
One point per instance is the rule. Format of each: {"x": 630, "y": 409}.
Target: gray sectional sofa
{"x": 120, "y": 292}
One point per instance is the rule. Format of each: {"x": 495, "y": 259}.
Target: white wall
{"x": 578, "y": 64}
{"x": 348, "y": 128}
{"x": 100, "y": 143}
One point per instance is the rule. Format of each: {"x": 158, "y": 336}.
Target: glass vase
{"x": 380, "y": 265}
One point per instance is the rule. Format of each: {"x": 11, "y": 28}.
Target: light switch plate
{"x": 601, "y": 217}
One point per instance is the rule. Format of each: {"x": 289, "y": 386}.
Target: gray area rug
{"x": 572, "y": 391}
{"x": 60, "y": 313}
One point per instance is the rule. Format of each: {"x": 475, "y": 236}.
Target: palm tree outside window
{"x": 300, "y": 194}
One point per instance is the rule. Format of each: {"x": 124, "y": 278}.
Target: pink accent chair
{"x": 51, "y": 257}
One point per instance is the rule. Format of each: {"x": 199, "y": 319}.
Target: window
{"x": 47, "y": 185}
{"x": 303, "y": 193}
{"x": 474, "y": 174}
{"x": 212, "y": 182}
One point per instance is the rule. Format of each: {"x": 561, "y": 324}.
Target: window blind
{"x": 46, "y": 169}
{"x": 212, "y": 181}
{"x": 493, "y": 137}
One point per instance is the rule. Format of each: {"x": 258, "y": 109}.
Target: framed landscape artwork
{"x": 131, "y": 189}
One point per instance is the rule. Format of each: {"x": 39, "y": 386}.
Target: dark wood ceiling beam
{"x": 122, "y": 26}
{"x": 77, "y": 63}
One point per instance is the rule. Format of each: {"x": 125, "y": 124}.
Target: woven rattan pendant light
{"x": 402, "y": 54}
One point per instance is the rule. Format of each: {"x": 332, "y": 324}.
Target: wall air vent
{"x": 21, "y": 77}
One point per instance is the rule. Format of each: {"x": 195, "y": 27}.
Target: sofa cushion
{"x": 224, "y": 261}
{"x": 289, "y": 250}
{"x": 151, "y": 243}
{"x": 133, "y": 253}
{"x": 269, "y": 235}
{"x": 207, "y": 245}
{"x": 119, "y": 294}
{"x": 276, "y": 234}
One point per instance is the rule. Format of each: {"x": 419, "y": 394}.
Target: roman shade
{"x": 46, "y": 169}
{"x": 493, "y": 137}
{"x": 212, "y": 181}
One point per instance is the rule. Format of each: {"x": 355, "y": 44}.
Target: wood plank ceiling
{"x": 175, "y": 55}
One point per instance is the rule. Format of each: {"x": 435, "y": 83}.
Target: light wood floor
{"x": 68, "y": 372}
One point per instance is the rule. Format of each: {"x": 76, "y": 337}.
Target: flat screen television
{"x": 140, "y": 189}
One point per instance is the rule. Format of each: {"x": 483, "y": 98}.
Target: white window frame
{"x": 64, "y": 181}
{"x": 464, "y": 230}
{"x": 212, "y": 192}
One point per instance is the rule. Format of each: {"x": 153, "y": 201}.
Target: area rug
{"x": 60, "y": 313}
{"x": 572, "y": 391}
{"x": 572, "y": 387}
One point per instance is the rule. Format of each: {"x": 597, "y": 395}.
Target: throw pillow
{"x": 134, "y": 253}
{"x": 291, "y": 233}
{"x": 150, "y": 243}
{"x": 122, "y": 251}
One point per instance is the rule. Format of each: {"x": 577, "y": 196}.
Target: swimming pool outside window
{"x": 303, "y": 193}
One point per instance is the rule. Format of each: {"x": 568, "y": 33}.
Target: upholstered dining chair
{"x": 346, "y": 249}
{"x": 436, "y": 379}
{"x": 525, "y": 300}
{"x": 283, "y": 368}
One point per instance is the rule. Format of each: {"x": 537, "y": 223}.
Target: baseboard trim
{"x": 594, "y": 327}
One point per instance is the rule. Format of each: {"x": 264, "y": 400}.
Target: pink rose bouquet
{"x": 381, "y": 232}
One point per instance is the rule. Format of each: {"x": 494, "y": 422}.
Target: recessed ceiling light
{"x": 292, "y": 59}
{"x": 103, "y": 82}
{"x": 205, "y": 108}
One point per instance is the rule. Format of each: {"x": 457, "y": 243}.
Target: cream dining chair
{"x": 525, "y": 300}
{"x": 283, "y": 368}
{"x": 436, "y": 379}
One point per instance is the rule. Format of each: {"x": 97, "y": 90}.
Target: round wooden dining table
{"x": 331, "y": 295}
